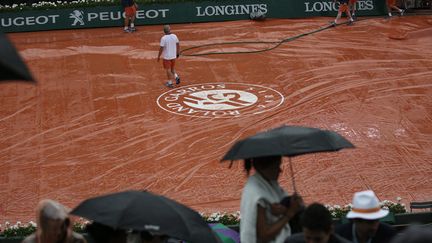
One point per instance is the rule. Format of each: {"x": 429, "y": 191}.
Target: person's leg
{"x": 126, "y": 24}
{"x": 391, "y": 4}
{"x": 338, "y": 16}
{"x": 389, "y": 10}
{"x": 349, "y": 17}
{"x": 132, "y": 23}
{"x": 401, "y": 12}
{"x": 132, "y": 17}
{"x": 343, "y": 7}
{"x": 170, "y": 76}
{"x": 353, "y": 8}
{"x": 177, "y": 77}
{"x": 169, "y": 83}
{"x": 174, "y": 73}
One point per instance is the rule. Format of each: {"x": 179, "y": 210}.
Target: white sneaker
{"x": 169, "y": 85}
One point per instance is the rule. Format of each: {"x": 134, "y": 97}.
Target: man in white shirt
{"x": 169, "y": 49}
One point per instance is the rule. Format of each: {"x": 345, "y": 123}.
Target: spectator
{"x": 264, "y": 217}
{"x": 53, "y": 225}
{"x": 352, "y": 6}
{"x": 343, "y": 7}
{"x": 170, "y": 50}
{"x": 147, "y": 237}
{"x": 105, "y": 234}
{"x": 100, "y": 233}
{"x": 391, "y": 4}
{"x": 365, "y": 226}
{"x": 317, "y": 226}
{"x": 130, "y": 8}
{"x": 415, "y": 234}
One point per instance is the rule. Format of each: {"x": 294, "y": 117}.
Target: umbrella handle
{"x": 292, "y": 175}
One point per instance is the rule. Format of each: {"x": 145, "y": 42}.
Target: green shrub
{"x": 18, "y": 230}
{"x": 223, "y": 218}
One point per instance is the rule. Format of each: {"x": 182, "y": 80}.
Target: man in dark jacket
{"x": 317, "y": 227}
{"x": 365, "y": 226}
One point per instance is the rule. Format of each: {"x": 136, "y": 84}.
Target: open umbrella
{"x": 145, "y": 211}
{"x": 12, "y": 66}
{"x": 287, "y": 141}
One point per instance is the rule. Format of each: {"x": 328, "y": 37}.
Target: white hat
{"x": 366, "y": 206}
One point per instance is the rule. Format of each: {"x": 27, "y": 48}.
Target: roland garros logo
{"x": 220, "y": 100}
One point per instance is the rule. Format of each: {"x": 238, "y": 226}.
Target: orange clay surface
{"x": 92, "y": 124}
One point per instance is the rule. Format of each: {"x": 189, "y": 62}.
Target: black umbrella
{"x": 12, "y": 67}
{"x": 145, "y": 211}
{"x": 287, "y": 141}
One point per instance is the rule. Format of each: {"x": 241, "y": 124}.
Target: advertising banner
{"x": 185, "y": 12}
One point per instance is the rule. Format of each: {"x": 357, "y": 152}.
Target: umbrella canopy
{"x": 12, "y": 66}
{"x": 287, "y": 141}
{"x": 145, "y": 211}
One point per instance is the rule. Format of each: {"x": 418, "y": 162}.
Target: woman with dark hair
{"x": 263, "y": 217}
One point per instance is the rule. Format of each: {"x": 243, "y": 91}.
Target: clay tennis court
{"x": 101, "y": 120}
